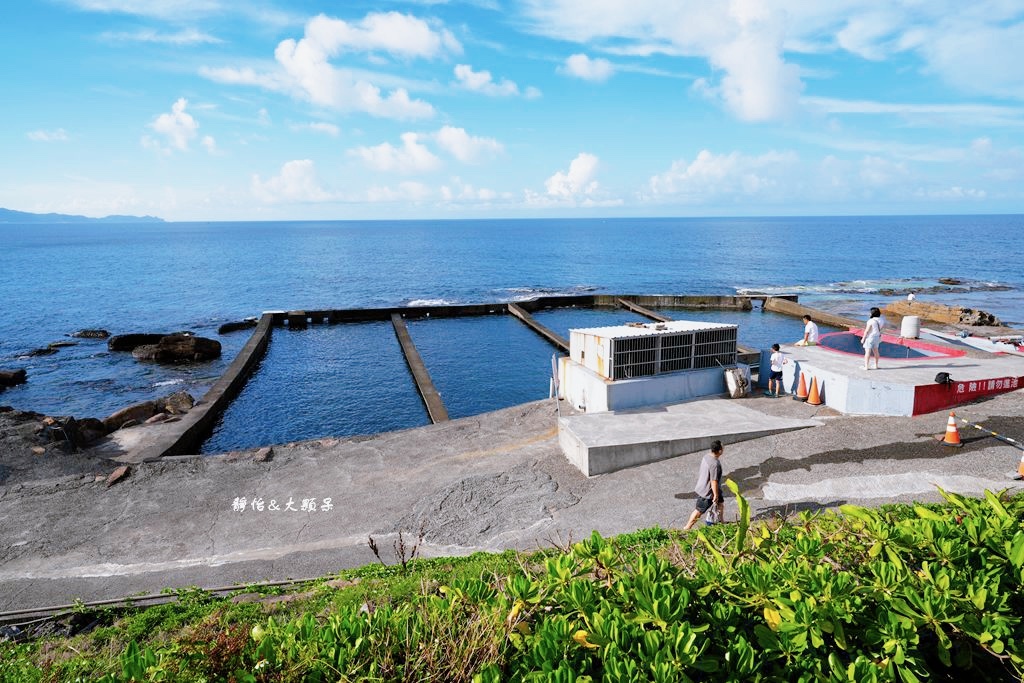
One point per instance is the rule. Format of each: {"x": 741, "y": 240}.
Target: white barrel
{"x": 910, "y": 328}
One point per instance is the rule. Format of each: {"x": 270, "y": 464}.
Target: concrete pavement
{"x": 489, "y": 482}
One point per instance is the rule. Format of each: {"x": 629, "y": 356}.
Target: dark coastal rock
{"x": 140, "y": 412}
{"x": 90, "y": 429}
{"x": 179, "y": 348}
{"x": 61, "y": 344}
{"x": 128, "y": 342}
{"x": 63, "y": 431}
{"x": 156, "y": 419}
{"x": 45, "y": 351}
{"x": 91, "y": 334}
{"x": 246, "y": 324}
{"x": 10, "y": 378}
{"x": 178, "y": 403}
{"x": 950, "y": 281}
{"x": 969, "y": 316}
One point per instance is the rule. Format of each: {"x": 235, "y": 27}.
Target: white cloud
{"x": 160, "y": 9}
{"x": 710, "y": 176}
{"x": 952, "y": 193}
{"x": 466, "y": 148}
{"x": 189, "y": 36}
{"x": 297, "y": 182}
{"x": 582, "y": 66}
{"x": 462, "y": 192}
{"x": 400, "y": 35}
{"x": 482, "y": 82}
{"x": 879, "y": 172}
{"x": 411, "y": 157}
{"x": 973, "y": 46}
{"x": 57, "y": 135}
{"x": 306, "y": 70}
{"x": 278, "y": 82}
{"x": 409, "y": 191}
{"x": 318, "y": 127}
{"x": 177, "y": 127}
{"x": 578, "y": 181}
{"x": 210, "y": 144}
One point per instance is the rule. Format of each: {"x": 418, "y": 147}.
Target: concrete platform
{"x": 598, "y": 443}
{"x": 899, "y": 387}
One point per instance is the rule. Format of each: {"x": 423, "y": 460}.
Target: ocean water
{"x": 347, "y": 379}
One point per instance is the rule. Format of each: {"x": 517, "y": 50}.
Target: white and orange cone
{"x": 952, "y": 433}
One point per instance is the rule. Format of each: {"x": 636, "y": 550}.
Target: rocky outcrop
{"x": 140, "y": 412}
{"x": 950, "y": 315}
{"x": 128, "y": 342}
{"x": 71, "y": 433}
{"x": 246, "y": 324}
{"x": 10, "y": 378}
{"x": 91, "y": 334}
{"x": 177, "y": 348}
{"x": 178, "y": 403}
{"x": 45, "y": 351}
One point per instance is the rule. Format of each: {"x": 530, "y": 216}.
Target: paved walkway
{"x": 483, "y": 483}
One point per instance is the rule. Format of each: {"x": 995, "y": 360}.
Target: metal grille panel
{"x": 646, "y": 356}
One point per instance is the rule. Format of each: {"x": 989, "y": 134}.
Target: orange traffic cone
{"x": 813, "y": 399}
{"x": 801, "y": 390}
{"x": 1020, "y": 467}
{"x": 952, "y": 433}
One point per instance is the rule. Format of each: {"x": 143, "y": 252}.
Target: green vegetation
{"x": 902, "y": 593}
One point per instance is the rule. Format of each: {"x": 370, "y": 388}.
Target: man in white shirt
{"x": 810, "y": 333}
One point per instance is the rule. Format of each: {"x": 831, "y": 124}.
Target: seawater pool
{"x": 351, "y": 378}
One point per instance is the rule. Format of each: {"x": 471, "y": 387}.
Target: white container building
{"x": 644, "y": 364}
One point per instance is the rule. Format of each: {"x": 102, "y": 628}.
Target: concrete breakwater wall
{"x": 187, "y": 435}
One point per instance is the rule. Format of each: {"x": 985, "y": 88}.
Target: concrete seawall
{"x": 425, "y": 385}
{"x": 187, "y": 435}
{"x": 788, "y": 307}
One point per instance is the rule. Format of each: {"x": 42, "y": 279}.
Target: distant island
{"x": 11, "y": 216}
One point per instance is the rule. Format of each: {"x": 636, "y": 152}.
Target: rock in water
{"x": 91, "y": 334}
{"x": 179, "y": 348}
{"x": 128, "y": 342}
{"x": 9, "y": 378}
{"x": 240, "y": 325}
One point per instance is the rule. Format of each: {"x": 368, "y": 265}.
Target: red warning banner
{"x": 928, "y": 399}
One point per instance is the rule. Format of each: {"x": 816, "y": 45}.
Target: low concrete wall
{"x": 847, "y": 394}
{"x": 585, "y": 390}
{"x": 787, "y": 307}
{"x": 550, "y": 336}
{"x": 188, "y": 434}
{"x": 425, "y": 385}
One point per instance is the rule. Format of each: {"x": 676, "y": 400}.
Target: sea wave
{"x": 527, "y": 293}
{"x": 168, "y": 382}
{"x": 432, "y": 302}
{"x": 882, "y": 287}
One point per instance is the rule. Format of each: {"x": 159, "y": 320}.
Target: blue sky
{"x": 263, "y": 110}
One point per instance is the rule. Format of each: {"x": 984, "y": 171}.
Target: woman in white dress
{"x": 872, "y": 338}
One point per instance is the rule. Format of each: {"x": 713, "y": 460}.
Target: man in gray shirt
{"x": 709, "y": 485}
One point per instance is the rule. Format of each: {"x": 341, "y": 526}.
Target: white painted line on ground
{"x": 880, "y": 486}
